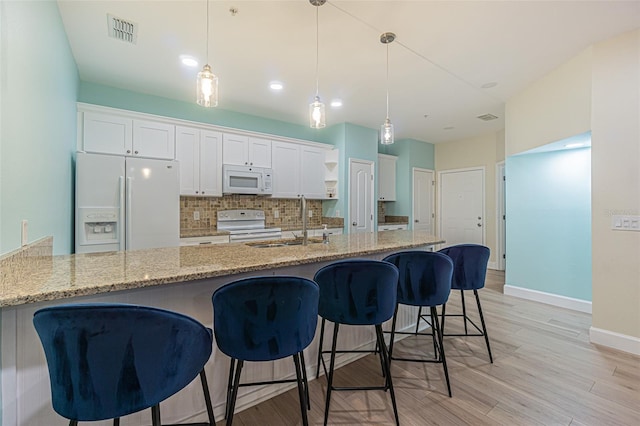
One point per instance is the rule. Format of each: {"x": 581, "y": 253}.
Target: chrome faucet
{"x": 304, "y": 216}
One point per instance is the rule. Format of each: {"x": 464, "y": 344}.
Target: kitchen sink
{"x": 282, "y": 243}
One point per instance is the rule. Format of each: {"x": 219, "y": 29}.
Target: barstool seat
{"x": 109, "y": 360}
{"x": 265, "y": 319}
{"x": 357, "y": 292}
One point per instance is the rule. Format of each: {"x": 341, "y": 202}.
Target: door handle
{"x": 416, "y": 221}
{"x": 355, "y": 223}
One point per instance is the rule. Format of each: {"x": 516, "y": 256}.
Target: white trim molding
{"x": 549, "y": 298}
{"x": 611, "y": 339}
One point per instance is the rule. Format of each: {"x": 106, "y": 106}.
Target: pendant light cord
{"x": 387, "y": 80}
{"x": 317, "y": 50}
{"x": 207, "y": 32}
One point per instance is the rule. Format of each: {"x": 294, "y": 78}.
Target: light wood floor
{"x": 545, "y": 372}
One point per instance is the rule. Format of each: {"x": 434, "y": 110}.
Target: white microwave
{"x": 246, "y": 180}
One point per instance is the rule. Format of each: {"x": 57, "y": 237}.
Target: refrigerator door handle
{"x": 121, "y": 218}
{"x": 128, "y": 203}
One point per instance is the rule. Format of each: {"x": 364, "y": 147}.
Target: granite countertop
{"x": 42, "y": 278}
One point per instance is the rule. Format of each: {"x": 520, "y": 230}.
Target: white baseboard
{"x": 549, "y": 298}
{"x": 614, "y": 340}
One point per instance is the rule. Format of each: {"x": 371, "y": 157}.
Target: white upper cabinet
{"x": 200, "y": 155}
{"x": 285, "y": 159}
{"x": 387, "y": 177}
{"x": 107, "y": 134}
{"x": 246, "y": 151}
{"x": 298, "y": 170}
{"x": 113, "y": 134}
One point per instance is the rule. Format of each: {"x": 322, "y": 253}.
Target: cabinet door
{"x": 188, "y": 154}
{"x": 153, "y": 140}
{"x": 312, "y": 172}
{"x": 235, "y": 150}
{"x": 260, "y": 152}
{"x": 386, "y": 178}
{"x": 107, "y": 134}
{"x": 210, "y": 163}
{"x": 286, "y": 170}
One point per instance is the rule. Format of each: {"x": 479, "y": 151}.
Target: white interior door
{"x": 423, "y": 197}
{"x": 501, "y": 225}
{"x": 461, "y": 195}
{"x": 360, "y": 196}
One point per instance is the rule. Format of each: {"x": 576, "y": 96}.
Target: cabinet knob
{"x": 355, "y": 223}
{"x": 135, "y": 152}
{"x": 128, "y": 151}
{"x": 196, "y": 192}
{"x": 479, "y": 225}
{"x": 251, "y": 164}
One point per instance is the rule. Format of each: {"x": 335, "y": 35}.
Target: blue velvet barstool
{"x": 469, "y": 273}
{"x": 109, "y": 360}
{"x": 265, "y": 319}
{"x": 357, "y": 292}
{"x": 424, "y": 280}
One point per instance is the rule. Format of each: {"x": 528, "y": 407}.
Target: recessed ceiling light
{"x": 489, "y": 85}
{"x": 448, "y": 128}
{"x": 336, "y": 103}
{"x": 188, "y": 61}
{"x": 276, "y": 85}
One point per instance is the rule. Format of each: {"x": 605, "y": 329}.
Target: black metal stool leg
{"x": 387, "y": 366}
{"x": 155, "y": 415}
{"x": 464, "y": 312}
{"x": 301, "y": 389}
{"x": 320, "y": 348}
{"x": 73, "y": 423}
{"x": 439, "y": 332}
{"x": 303, "y": 366}
{"x": 207, "y": 398}
{"x": 393, "y": 333}
{"x": 330, "y": 378}
{"x": 116, "y": 421}
{"x": 234, "y": 393}
{"x": 418, "y": 322}
{"x": 232, "y": 367}
{"x": 484, "y": 327}
{"x": 444, "y": 308}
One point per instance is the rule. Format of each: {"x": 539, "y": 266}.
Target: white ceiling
{"x": 445, "y": 51}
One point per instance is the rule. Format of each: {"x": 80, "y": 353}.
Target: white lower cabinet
{"x": 200, "y": 155}
{"x": 298, "y": 170}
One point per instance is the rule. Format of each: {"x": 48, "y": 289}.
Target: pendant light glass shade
{"x": 207, "y": 83}
{"x": 207, "y": 91}
{"x": 386, "y": 133}
{"x": 386, "y": 130}
{"x": 317, "y": 118}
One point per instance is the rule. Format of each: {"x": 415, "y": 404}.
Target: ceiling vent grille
{"x": 487, "y": 117}
{"x": 122, "y": 30}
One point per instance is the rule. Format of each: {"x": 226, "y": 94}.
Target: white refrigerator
{"x": 126, "y": 203}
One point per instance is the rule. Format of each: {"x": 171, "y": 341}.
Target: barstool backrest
{"x": 358, "y": 291}
{"x": 425, "y": 277}
{"x": 110, "y": 360}
{"x": 469, "y": 265}
{"x": 265, "y": 318}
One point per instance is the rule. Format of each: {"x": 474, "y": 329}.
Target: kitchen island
{"x": 181, "y": 279}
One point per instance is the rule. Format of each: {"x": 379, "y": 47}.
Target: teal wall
{"x": 411, "y": 153}
{"x": 92, "y": 93}
{"x": 39, "y": 87}
{"x": 548, "y": 205}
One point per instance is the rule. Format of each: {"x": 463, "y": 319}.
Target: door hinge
{"x": 504, "y": 217}
{"x": 433, "y": 215}
{"x": 433, "y": 183}
{"x": 504, "y": 178}
{"x": 504, "y": 256}
{"x": 372, "y": 216}
{"x": 371, "y": 177}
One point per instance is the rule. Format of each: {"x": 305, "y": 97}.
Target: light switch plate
{"x": 625, "y": 223}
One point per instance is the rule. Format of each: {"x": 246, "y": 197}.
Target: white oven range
{"x": 246, "y": 225}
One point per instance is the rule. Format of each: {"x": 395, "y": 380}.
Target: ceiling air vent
{"x": 122, "y": 30}
{"x": 487, "y": 117}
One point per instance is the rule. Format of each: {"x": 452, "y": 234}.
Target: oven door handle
{"x": 234, "y": 238}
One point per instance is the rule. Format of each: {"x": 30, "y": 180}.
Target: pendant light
{"x": 386, "y": 130}
{"x": 207, "y": 85}
{"x": 317, "y": 118}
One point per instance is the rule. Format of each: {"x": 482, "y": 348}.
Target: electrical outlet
{"x": 276, "y": 213}
{"x": 310, "y": 213}
{"x": 337, "y": 213}
{"x": 196, "y": 215}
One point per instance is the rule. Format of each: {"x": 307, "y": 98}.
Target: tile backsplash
{"x": 208, "y": 207}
